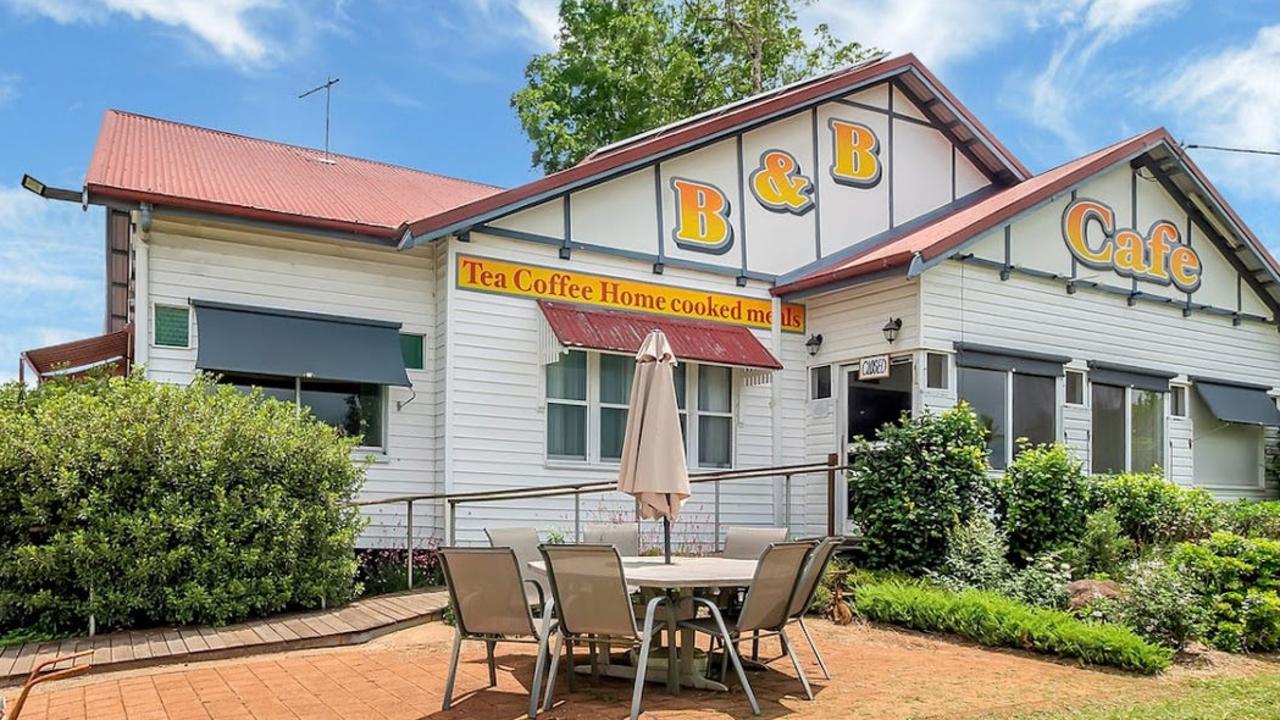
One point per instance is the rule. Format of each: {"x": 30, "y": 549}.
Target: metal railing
{"x": 831, "y": 468}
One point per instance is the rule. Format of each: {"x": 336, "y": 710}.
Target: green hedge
{"x": 1154, "y": 511}
{"x": 1237, "y": 580}
{"x": 995, "y": 620}
{"x": 145, "y": 503}
{"x": 1040, "y": 501}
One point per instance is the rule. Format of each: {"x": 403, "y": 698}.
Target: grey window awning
{"x": 1129, "y": 376}
{"x": 1245, "y": 404}
{"x": 268, "y": 341}
{"x": 987, "y": 357}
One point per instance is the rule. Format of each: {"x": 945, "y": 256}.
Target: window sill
{"x": 377, "y": 455}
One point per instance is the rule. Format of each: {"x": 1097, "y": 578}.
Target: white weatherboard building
{"x": 824, "y": 257}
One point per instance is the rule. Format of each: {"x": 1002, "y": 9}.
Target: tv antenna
{"x": 326, "y": 87}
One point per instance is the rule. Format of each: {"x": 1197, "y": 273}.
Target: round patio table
{"x": 678, "y": 580}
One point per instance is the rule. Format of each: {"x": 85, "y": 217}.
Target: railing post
{"x": 716, "y": 544}
{"x": 408, "y": 543}
{"x": 786, "y": 501}
{"x": 577, "y": 517}
{"x": 451, "y": 522}
{"x": 831, "y": 493}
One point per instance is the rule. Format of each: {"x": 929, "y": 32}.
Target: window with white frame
{"x": 1128, "y": 428}
{"x": 353, "y": 409}
{"x": 587, "y": 396}
{"x": 1013, "y": 406}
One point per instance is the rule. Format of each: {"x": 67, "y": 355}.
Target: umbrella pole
{"x": 666, "y": 539}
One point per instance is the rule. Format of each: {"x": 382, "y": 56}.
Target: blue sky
{"x": 427, "y": 85}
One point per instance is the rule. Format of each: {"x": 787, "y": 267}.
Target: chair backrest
{"x": 590, "y": 590}
{"x": 777, "y": 575}
{"x": 522, "y": 540}
{"x": 624, "y": 536}
{"x": 486, "y": 591}
{"x": 819, "y": 559}
{"x": 746, "y": 543}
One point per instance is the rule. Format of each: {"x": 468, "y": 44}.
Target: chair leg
{"x": 755, "y": 646}
{"x": 554, "y": 657}
{"x": 489, "y": 646}
{"x": 544, "y": 641}
{"x": 795, "y": 662}
{"x": 821, "y": 665}
{"x": 642, "y": 665}
{"x": 453, "y": 669}
{"x": 568, "y": 658}
{"x": 731, "y": 648}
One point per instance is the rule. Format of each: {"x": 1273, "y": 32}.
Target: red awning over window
{"x": 696, "y": 340}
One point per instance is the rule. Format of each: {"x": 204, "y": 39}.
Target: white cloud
{"x": 1231, "y": 98}
{"x": 9, "y": 87}
{"x": 247, "y": 33}
{"x": 534, "y": 22}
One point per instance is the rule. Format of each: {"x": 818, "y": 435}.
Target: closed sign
{"x": 874, "y": 367}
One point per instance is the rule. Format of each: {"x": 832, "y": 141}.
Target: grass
{"x": 997, "y": 621}
{"x": 18, "y": 636}
{"x": 1247, "y": 698}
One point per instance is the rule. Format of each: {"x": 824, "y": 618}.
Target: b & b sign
{"x": 874, "y": 367}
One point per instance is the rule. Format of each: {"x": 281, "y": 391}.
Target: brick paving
{"x": 351, "y": 624}
{"x": 879, "y": 673}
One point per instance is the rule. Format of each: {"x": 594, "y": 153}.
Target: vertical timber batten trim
{"x": 742, "y": 213}
{"x": 817, "y": 185}
{"x": 566, "y": 250}
{"x": 892, "y": 155}
{"x": 657, "y": 202}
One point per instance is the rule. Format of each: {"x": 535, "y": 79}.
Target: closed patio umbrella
{"x": 653, "y": 467}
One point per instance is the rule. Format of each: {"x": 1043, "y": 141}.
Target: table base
{"x": 627, "y": 672}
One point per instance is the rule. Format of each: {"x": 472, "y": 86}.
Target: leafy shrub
{"x": 907, "y": 490}
{"x": 382, "y": 570}
{"x": 995, "y": 620}
{"x": 1158, "y": 604}
{"x": 1040, "y": 501}
{"x": 144, "y": 503}
{"x": 1251, "y": 518}
{"x": 1236, "y": 579}
{"x": 1103, "y": 547}
{"x": 1043, "y": 582}
{"x": 975, "y": 557}
{"x": 1154, "y": 511}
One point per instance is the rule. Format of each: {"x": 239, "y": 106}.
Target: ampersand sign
{"x": 778, "y": 184}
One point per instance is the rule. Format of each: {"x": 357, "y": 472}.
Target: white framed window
{"x": 1128, "y": 429}
{"x": 820, "y": 382}
{"x": 1073, "y": 382}
{"x": 587, "y": 396}
{"x": 353, "y": 409}
{"x": 1178, "y": 401}
{"x": 1013, "y": 406}
{"x": 936, "y": 371}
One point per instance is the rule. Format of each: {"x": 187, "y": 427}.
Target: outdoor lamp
{"x": 891, "y": 329}
{"x": 813, "y": 344}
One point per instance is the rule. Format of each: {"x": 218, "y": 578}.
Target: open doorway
{"x": 867, "y": 405}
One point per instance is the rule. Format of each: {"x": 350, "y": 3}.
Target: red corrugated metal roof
{"x": 146, "y": 159}
{"x": 85, "y": 353}
{"x": 628, "y": 153}
{"x": 949, "y": 231}
{"x": 582, "y": 327}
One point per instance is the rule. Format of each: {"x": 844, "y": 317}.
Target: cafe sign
{"x": 544, "y": 283}
{"x": 1157, "y": 256}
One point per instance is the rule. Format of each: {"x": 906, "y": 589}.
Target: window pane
{"x": 1108, "y": 429}
{"x": 873, "y": 403}
{"x": 280, "y": 388}
{"x": 679, "y": 377}
{"x": 411, "y": 349}
{"x": 613, "y": 425}
{"x": 616, "y": 374}
{"x": 354, "y": 409}
{"x": 172, "y": 326}
{"x": 1147, "y": 416}
{"x": 937, "y": 371}
{"x": 715, "y": 392}
{"x": 1075, "y": 388}
{"x": 567, "y": 431}
{"x": 984, "y": 390}
{"x": 820, "y": 382}
{"x": 715, "y": 441}
{"x": 1034, "y": 409}
{"x": 567, "y": 377}
{"x": 1178, "y": 401}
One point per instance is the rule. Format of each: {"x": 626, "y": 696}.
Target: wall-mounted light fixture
{"x": 813, "y": 344}
{"x": 891, "y": 329}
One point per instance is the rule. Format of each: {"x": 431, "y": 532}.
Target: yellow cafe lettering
{"x": 1158, "y": 256}
{"x": 778, "y": 183}
{"x": 536, "y": 281}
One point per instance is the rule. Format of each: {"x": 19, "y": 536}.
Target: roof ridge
{"x": 304, "y": 148}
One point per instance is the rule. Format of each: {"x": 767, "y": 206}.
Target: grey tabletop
{"x": 683, "y": 572}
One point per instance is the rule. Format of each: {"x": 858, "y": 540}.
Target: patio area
{"x": 878, "y": 673}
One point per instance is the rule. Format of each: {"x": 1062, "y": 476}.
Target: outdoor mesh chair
{"x": 746, "y": 543}
{"x": 589, "y": 592}
{"x": 625, "y": 537}
{"x": 489, "y": 606}
{"x": 524, "y": 542}
{"x": 818, "y": 562}
{"x": 766, "y": 609}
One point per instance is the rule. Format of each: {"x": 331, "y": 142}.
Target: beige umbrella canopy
{"x": 653, "y": 467}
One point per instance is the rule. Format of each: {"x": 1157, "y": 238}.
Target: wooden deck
{"x": 351, "y": 624}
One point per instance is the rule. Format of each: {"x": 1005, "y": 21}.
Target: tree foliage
{"x": 622, "y": 67}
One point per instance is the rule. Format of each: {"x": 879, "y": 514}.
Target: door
{"x": 866, "y": 405}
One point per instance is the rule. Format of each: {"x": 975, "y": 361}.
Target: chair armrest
{"x": 542, "y": 598}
